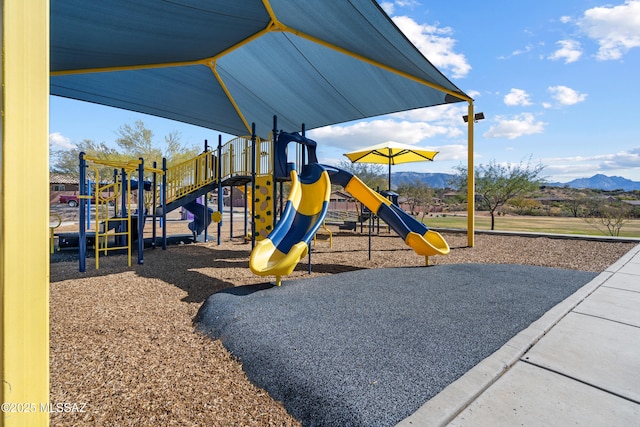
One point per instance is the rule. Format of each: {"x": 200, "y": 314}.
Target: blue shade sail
{"x": 223, "y": 65}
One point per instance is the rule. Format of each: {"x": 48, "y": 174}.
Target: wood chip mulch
{"x": 123, "y": 341}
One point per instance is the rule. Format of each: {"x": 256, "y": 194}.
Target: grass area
{"x": 542, "y": 224}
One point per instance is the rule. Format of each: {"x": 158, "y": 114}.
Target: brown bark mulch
{"x": 123, "y": 342}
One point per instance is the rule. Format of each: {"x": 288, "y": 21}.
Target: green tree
{"x": 133, "y": 141}
{"x": 496, "y": 184}
{"x": 370, "y": 173}
{"x": 418, "y": 194}
{"x": 67, "y": 162}
{"x": 137, "y": 141}
{"x": 607, "y": 217}
{"x": 576, "y": 205}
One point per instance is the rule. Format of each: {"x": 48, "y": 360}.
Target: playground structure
{"x": 307, "y": 206}
{"x": 259, "y": 166}
{"x": 119, "y": 222}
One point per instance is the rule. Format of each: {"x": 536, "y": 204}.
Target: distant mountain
{"x": 441, "y": 180}
{"x": 433, "y": 180}
{"x": 600, "y": 182}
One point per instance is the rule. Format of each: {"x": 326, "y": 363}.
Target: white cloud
{"x": 515, "y": 127}
{"x": 517, "y": 97}
{"x": 565, "y": 95}
{"x": 565, "y": 19}
{"x": 448, "y": 115}
{"x": 615, "y": 28}
{"x": 57, "y": 141}
{"x": 450, "y": 152}
{"x": 361, "y": 134}
{"x": 388, "y": 7}
{"x": 409, "y": 127}
{"x": 580, "y": 166}
{"x": 527, "y": 48}
{"x": 570, "y": 51}
{"x": 435, "y": 44}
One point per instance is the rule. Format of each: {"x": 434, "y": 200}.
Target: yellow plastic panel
{"x": 266, "y": 259}
{"x": 264, "y": 206}
{"x": 24, "y": 199}
{"x": 371, "y": 199}
{"x": 312, "y": 205}
{"x": 432, "y": 243}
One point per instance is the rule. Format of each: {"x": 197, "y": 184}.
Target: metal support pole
{"x": 219, "y": 172}
{"x": 141, "y": 211}
{"x": 370, "y": 227}
{"x": 207, "y": 218}
{"x": 274, "y": 132}
{"x": 304, "y": 151}
{"x": 246, "y": 208}
{"x": 123, "y": 194}
{"x": 89, "y": 204}
{"x": 231, "y": 212}
{"x": 253, "y": 184}
{"x": 153, "y": 205}
{"x": 304, "y": 162}
{"x": 470, "y": 180}
{"x": 164, "y": 204}
{"x": 82, "y": 231}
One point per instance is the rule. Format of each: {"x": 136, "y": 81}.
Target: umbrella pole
{"x": 389, "y": 174}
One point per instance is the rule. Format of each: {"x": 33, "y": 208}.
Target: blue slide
{"x": 201, "y": 217}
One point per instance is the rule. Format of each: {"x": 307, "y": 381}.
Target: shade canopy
{"x": 391, "y": 153}
{"x": 224, "y": 64}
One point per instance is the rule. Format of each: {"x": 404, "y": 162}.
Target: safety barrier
{"x": 236, "y": 157}
{"x": 191, "y": 175}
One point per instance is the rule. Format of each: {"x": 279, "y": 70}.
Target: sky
{"x": 556, "y": 81}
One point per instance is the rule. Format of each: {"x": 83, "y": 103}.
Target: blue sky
{"x": 556, "y": 80}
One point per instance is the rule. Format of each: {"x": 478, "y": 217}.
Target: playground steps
{"x": 236, "y": 180}
{"x": 188, "y": 198}
{"x": 115, "y": 222}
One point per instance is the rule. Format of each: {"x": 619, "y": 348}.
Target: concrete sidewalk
{"x": 579, "y": 364}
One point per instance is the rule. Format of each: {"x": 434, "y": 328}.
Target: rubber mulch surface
{"x": 369, "y": 347}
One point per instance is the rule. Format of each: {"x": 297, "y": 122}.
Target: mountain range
{"x": 600, "y": 182}
{"x": 596, "y": 182}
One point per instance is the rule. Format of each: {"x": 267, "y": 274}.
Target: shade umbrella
{"x": 225, "y": 64}
{"x": 391, "y": 153}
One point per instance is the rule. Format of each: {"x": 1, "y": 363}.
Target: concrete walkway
{"x": 577, "y": 365}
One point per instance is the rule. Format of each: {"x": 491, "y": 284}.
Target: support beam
{"x": 471, "y": 193}
{"x": 24, "y": 212}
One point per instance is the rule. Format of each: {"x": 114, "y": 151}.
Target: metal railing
{"x": 191, "y": 175}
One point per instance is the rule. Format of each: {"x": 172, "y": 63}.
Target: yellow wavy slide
{"x": 288, "y": 243}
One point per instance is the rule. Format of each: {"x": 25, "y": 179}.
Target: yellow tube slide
{"x": 288, "y": 243}
{"x": 415, "y": 234}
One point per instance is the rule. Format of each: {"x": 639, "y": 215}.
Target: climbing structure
{"x": 242, "y": 161}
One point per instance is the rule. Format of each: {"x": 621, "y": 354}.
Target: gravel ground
{"x": 123, "y": 340}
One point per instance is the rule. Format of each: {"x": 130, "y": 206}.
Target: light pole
{"x": 471, "y": 175}
{"x": 476, "y": 117}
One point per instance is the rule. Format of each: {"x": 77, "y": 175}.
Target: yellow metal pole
{"x": 24, "y": 213}
{"x": 470, "y": 180}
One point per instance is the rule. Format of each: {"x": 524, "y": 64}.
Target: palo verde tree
{"x": 496, "y": 184}
{"x": 370, "y": 173}
{"x": 606, "y": 216}
{"x": 418, "y": 194}
{"x": 133, "y": 141}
